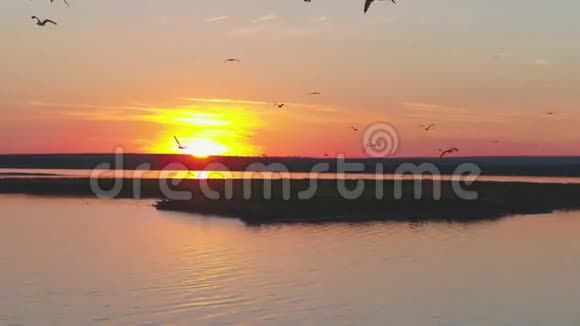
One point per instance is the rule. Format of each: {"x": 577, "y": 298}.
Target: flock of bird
{"x": 367, "y": 4}
{"x": 44, "y": 22}
{"x": 451, "y": 150}
{"x": 428, "y": 127}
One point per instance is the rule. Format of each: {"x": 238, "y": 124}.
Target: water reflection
{"x": 121, "y": 262}
{"x": 156, "y": 174}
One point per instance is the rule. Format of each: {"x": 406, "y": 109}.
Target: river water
{"x": 77, "y": 261}
{"x": 180, "y": 174}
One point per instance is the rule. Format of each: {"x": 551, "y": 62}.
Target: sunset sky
{"x": 134, "y": 73}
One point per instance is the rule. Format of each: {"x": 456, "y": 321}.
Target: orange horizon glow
{"x": 205, "y": 131}
{"x": 250, "y": 126}
{"x": 134, "y": 76}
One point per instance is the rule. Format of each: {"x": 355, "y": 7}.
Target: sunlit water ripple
{"x": 76, "y": 261}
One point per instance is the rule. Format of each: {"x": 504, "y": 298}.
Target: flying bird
{"x": 354, "y": 128}
{"x": 448, "y": 151}
{"x": 368, "y": 4}
{"x": 427, "y": 127}
{"x": 42, "y": 22}
{"x": 66, "y": 2}
{"x": 281, "y": 105}
{"x": 179, "y": 144}
{"x": 232, "y": 60}
{"x": 315, "y": 93}
{"x": 550, "y": 113}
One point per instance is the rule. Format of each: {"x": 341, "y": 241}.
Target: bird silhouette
{"x": 354, "y": 128}
{"x": 368, "y": 4}
{"x": 179, "y": 144}
{"x": 315, "y": 93}
{"x": 280, "y": 105}
{"x": 550, "y": 113}
{"x": 427, "y": 127}
{"x": 66, "y": 2}
{"x": 450, "y": 150}
{"x": 232, "y": 60}
{"x": 42, "y": 22}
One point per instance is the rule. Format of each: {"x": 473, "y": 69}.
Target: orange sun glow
{"x": 205, "y": 131}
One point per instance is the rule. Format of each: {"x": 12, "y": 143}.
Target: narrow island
{"x": 327, "y": 204}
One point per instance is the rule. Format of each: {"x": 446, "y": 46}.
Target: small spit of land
{"x": 327, "y": 203}
{"x": 495, "y": 199}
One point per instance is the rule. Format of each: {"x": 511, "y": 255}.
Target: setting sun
{"x": 204, "y": 148}
{"x": 205, "y": 130}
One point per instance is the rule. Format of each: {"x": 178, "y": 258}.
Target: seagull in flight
{"x": 42, "y": 22}
{"x": 179, "y": 144}
{"x": 448, "y": 151}
{"x": 427, "y": 127}
{"x": 368, "y": 4}
{"x": 232, "y": 60}
{"x": 281, "y": 105}
{"x": 66, "y": 2}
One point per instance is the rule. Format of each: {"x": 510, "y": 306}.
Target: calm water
{"x": 76, "y": 262}
{"x": 156, "y": 174}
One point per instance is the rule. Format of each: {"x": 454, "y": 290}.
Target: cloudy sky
{"x": 135, "y": 73}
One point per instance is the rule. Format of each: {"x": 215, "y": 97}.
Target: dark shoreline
{"x": 28, "y": 174}
{"x": 548, "y": 166}
{"x": 496, "y": 199}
